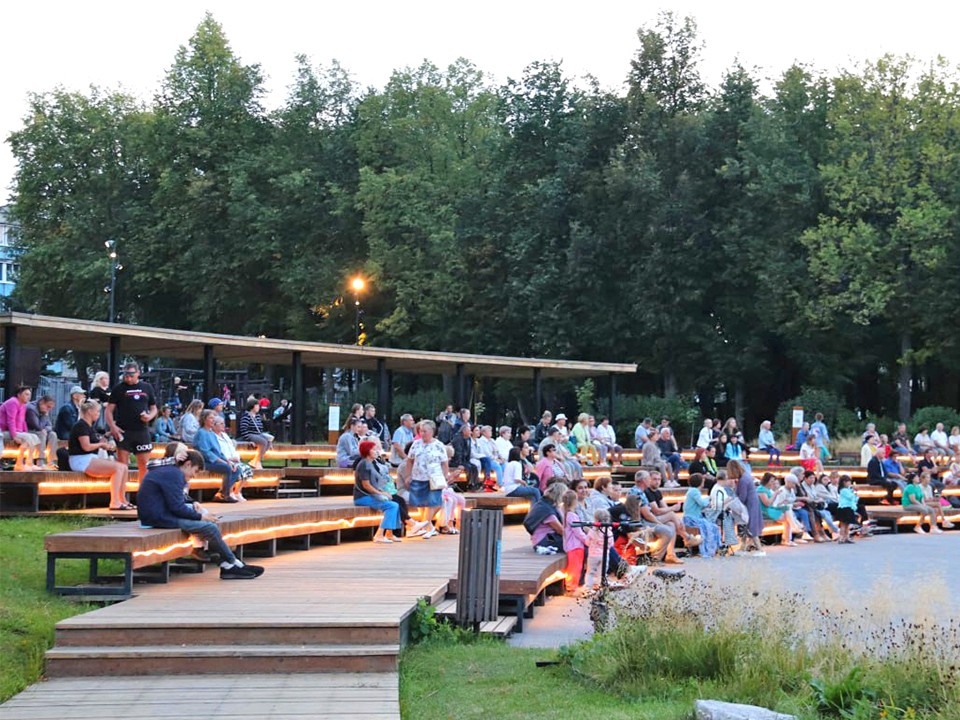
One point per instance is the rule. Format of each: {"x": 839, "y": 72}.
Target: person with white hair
{"x": 503, "y": 442}
{"x": 768, "y": 442}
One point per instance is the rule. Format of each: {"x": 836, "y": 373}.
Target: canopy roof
{"x": 55, "y": 333}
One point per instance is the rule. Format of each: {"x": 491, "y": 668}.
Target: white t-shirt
{"x": 606, "y": 434}
{"x": 512, "y": 476}
{"x": 504, "y": 447}
{"x": 808, "y": 451}
{"x": 954, "y": 442}
{"x": 705, "y": 437}
{"x": 939, "y": 438}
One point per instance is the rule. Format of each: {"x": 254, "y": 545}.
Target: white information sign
{"x": 333, "y": 417}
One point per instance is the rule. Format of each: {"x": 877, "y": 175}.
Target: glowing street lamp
{"x": 358, "y": 285}
{"x": 115, "y": 267}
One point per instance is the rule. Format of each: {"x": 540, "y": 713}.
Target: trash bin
{"x": 478, "y": 571}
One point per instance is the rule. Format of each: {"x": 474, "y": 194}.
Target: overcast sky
{"x": 131, "y": 44}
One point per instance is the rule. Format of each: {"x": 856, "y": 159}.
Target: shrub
{"x": 813, "y": 400}
{"x": 931, "y": 415}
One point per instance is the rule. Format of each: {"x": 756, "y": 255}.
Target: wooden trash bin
{"x": 478, "y": 586}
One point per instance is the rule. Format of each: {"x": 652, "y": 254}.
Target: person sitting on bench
{"x": 163, "y": 504}
{"x": 84, "y": 446}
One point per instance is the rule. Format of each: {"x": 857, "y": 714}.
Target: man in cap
{"x": 69, "y": 412}
{"x": 132, "y": 407}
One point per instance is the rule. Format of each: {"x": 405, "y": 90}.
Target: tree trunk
{"x": 669, "y": 384}
{"x": 906, "y": 375}
{"x": 739, "y": 404}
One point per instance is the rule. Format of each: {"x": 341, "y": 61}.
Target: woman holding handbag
{"x": 429, "y": 468}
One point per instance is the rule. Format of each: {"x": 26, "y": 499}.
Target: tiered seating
{"x": 21, "y": 491}
{"x": 137, "y": 547}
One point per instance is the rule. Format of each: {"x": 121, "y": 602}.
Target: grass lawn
{"x": 490, "y": 679}
{"x": 27, "y": 613}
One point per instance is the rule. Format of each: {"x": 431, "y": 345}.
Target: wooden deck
{"x": 328, "y": 621}
{"x": 331, "y": 696}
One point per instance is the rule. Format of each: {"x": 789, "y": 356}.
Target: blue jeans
{"x": 230, "y": 476}
{"x": 211, "y": 533}
{"x": 676, "y": 462}
{"x": 524, "y": 491}
{"x": 488, "y": 465}
{"x": 774, "y": 454}
{"x": 390, "y": 510}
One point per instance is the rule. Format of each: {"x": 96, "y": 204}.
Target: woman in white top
{"x": 954, "y": 442}
{"x": 513, "y": 483}
{"x": 607, "y": 436}
{"x": 706, "y": 434}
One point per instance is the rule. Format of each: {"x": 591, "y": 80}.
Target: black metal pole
{"x": 11, "y": 379}
{"x": 613, "y": 397}
{"x": 113, "y": 360}
{"x": 209, "y": 374}
{"x": 537, "y": 392}
{"x": 299, "y": 401}
{"x": 459, "y": 387}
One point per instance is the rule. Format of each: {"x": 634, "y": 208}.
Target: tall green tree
{"x": 883, "y": 247}
{"x": 81, "y": 179}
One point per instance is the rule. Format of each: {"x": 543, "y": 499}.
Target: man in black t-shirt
{"x": 131, "y": 409}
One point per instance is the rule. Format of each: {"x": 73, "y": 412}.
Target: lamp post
{"x": 358, "y": 285}
{"x": 115, "y": 267}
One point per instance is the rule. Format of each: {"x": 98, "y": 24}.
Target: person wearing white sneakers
{"x": 368, "y": 491}
{"x": 932, "y": 501}
{"x": 912, "y": 501}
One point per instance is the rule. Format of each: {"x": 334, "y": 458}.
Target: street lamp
{"x": 358, "y": 285}
{"x": 115, "y": 267}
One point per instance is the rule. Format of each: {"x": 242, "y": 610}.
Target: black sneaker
{"x": 221, "y": 499}
{"x": 257, "y": 570}
{"x": 237, "y": 573}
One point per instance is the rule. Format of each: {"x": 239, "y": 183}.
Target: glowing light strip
{"x": 341, "y": 524}
{"x": 200, "y": 483}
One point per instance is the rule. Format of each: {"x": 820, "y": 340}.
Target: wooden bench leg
{"x": 514, "y": 605}
{"x": 298, "y": 542}
{"x": 95, "y": 586}
{"x": 20, "y": 497}
{"x": 266, "y": 548}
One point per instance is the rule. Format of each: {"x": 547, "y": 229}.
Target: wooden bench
{"x": 21, "y": 491}
{"x": 897, "y": 515}
{"x": 525, "y": 580}
{"x": 284, "y": 452}
{"x": 139, "y": 547}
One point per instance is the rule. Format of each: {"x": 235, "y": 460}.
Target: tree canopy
{"x": 738, "y": 244}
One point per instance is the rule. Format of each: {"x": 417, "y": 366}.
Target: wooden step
{"x": 297, "y": 492}
{"x": 502, "y": 627}
{"x": 208, "y": 659}
{"x": 94, "y": 634}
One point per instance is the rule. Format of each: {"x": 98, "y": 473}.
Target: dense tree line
{"x": 737, "y": 244}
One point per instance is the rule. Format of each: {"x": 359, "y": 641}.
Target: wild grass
{"x": 740, "y": 643}
{"x": 28, "y": 613}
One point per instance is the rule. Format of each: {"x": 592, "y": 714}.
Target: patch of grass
{"x": 688, "y": 640}
{"x": 489, "y": 679}
{"x": 27, "y": 613}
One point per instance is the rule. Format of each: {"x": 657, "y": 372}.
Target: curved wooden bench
{"x": 139, "y": 547}
{"x": 21, "y": 491}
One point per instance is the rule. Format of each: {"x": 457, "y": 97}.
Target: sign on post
{"x": 333, "y": 423}
{"x": 796, "y": 423}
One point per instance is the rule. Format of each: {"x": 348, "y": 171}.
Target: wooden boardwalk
{"x": 317, "y": 636}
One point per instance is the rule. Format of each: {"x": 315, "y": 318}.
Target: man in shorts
{"x": 131, "y": 409}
